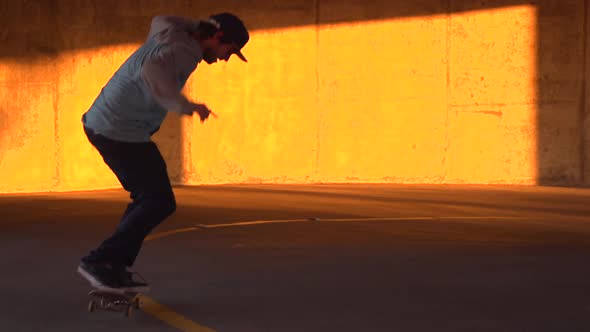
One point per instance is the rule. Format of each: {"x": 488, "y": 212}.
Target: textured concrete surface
{"x": 561, "y": 113}
{"x": 380, "y": 258}
{"x": 429, "y": 91}
{"x": 377, "y": 124}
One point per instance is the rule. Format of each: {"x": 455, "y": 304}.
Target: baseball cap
{"x": 233, "y": 29}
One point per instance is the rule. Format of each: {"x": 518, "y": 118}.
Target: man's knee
{"x": 162, "y": 203}
{"x": 168, "y": 203}
{"x": 171, "y": 204}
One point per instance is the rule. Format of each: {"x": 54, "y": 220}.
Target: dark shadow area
{"x": 413, "y": 275}
{"x": 561, "y": 57}
{"x": 73, "y": 209}
{"x": 48, "y": 27}
{"x": 38, "y": 29}
{"x": 464, "y": 201}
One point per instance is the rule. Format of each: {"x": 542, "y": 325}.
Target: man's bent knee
{"x": 170, "y": 205}
{"x": 166, "y": 204}
{"x": 161, "y": 204}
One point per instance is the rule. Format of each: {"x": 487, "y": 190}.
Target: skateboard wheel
{"x": 129, "y": 311}
{"x": 91, "y": 306}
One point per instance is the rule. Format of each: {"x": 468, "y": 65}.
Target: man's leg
{"x": 142, "y": 171}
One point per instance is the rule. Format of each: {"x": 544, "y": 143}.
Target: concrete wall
{"x": 428, "y": 91}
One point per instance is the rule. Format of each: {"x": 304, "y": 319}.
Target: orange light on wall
{"x": 434, "y": 99}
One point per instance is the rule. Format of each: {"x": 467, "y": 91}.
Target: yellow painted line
{"x": 168, "y": 233}
{"x": 256, "y": 222}
{"x": 260, "y": 222}
{"x": 176, "y": 320}
{"x": 162, "y": 312}
{"x": 484, "y": 218}
{"x": 425, "y": 218}
{"x": 170, "y": 317}
{"x": 284, "y": 221}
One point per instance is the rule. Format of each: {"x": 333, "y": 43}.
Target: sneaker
{"x": 129, "y": 282}
{"x": 99, "y": 275}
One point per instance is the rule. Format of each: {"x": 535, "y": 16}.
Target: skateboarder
{"x": 129, "y": 110}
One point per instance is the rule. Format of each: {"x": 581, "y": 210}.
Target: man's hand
{"x": 203, "y": 111}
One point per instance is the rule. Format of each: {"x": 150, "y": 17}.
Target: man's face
{"x": 216, "y": 50}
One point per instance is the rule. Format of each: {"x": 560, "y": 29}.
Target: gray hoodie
{"x": 134, "y": 102}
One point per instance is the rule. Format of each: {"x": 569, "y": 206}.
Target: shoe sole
{"x": 122, "y": 290}
{"x": 91, "y": 279}
{"x": 99, "y": 285}
{"x": 139, "y": 289}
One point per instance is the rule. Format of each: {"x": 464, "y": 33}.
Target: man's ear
{"x": 218, "y": 35}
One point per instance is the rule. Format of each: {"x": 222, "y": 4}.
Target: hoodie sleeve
{"x": 161, "y": 23}
{"x": 160, "y": 72}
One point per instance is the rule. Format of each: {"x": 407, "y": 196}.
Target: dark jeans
{"x": 142, "y": 172}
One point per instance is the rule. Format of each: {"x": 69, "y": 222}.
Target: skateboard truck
{"x": 114, "y": 301}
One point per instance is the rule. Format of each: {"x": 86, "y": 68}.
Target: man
{"x": 129, "y": 110}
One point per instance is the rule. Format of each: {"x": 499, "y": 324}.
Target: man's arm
{"x": 160, "y": 74}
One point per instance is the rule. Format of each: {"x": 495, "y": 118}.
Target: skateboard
{"x": 110, "y": 300}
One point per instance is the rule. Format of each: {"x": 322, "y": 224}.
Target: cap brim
{"x": 241, "y": 56}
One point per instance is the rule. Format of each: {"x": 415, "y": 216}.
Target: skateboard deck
{"x": 112, "y": 300}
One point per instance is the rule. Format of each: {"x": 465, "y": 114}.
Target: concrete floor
{"x": 380, "y": 258}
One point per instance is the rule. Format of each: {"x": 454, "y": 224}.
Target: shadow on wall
{"x": 43, "y": 29}
{"x": 561, "y": 110}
